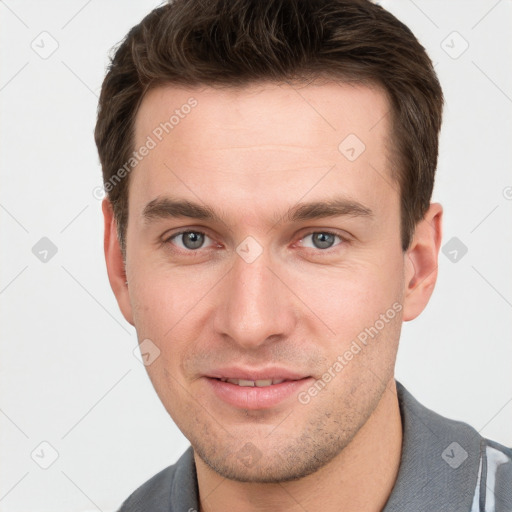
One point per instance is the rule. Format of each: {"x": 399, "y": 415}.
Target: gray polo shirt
{"x": 446, "y": 466}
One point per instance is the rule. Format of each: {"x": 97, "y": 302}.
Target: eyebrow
{"x": 166, "y": 208}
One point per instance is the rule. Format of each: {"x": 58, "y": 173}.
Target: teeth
{"x": 253, "y": 383}
{"x": 242, "y": 382}
{"x": 262, "y": 383}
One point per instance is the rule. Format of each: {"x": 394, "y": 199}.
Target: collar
{"x": 439, "y": 461}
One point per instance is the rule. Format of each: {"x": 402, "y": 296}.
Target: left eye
{"x": 190, "y": 240}
{"x": 321, "y": 239}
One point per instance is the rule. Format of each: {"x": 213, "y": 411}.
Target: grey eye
{"x": 321, "y": 240}
{"x": 191, "y": 239}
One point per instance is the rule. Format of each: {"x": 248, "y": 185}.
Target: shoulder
{"x": 153, "y": 494}
{"x": 447, "y": 465}
{"x": 172, "y": 489}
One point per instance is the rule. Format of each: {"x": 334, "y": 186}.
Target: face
{"x": 263, "y": 247}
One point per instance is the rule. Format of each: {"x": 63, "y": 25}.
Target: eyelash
{"x": 342, "y": 239}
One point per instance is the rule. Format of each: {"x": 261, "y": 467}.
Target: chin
{"x": 272, "y": 464}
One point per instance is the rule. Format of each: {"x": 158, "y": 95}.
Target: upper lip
{"x": 236, "y": 372}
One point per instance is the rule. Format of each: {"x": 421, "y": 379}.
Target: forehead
{"x": 261, "y": 108}
{"x": 261, "y": 140}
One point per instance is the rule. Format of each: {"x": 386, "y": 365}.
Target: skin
{"x": 250, "y": 154}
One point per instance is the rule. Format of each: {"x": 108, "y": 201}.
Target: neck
{"x": 359, "y": 479}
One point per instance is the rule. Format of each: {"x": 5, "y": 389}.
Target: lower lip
{"x": 253, "y": 397}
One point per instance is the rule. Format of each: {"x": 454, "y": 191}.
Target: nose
{"x": 255, "y": 306}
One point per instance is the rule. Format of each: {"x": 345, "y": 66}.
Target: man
{"x": 268, "y": 227}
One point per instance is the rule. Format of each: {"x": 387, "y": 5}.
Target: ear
{"x": 115, "y": 264}
{"x": 421, "y": 261}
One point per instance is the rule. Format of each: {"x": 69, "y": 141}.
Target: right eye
{"x": 188, "y": 240}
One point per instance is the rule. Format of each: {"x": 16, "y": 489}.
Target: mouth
{"x": 254, "y": 394}
{"x": 261, "y": 383}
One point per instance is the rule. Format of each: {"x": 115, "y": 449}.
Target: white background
{"x": 68, "y": 373}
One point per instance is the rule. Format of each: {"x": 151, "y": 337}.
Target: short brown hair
{"x": 238, "y": 42}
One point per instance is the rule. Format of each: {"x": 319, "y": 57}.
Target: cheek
{"x": 162, "y": 314}
{"x": 161, "y": 295}
{"x": 170, "y": 308}
{"x": 351, "y": 297}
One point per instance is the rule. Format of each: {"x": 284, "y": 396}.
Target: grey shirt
{"x": 446, "y": 466}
